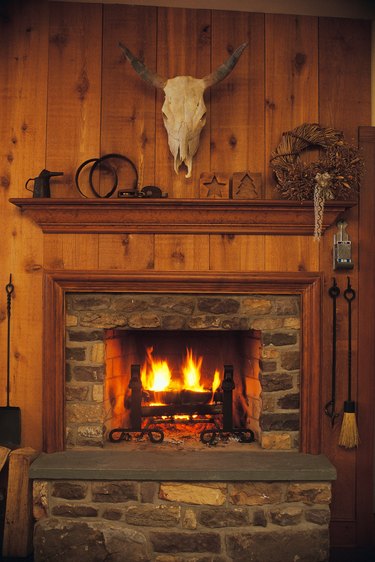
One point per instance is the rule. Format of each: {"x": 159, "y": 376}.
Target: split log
{"x": 18, "y": 525}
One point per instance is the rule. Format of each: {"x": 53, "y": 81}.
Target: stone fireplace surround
{"x": 221, "y": 506}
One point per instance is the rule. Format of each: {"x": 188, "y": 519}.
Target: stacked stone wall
{"x": 273, "y": 410}
{"x": 181, "y": 521}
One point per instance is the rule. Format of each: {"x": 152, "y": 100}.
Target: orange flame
{"x": 192, "y": 372}
{"x": 155, "y": 375}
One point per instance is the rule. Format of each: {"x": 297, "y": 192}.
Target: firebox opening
{"x": 181, "y": 374}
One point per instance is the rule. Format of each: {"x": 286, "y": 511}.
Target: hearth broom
{"x": 349, "y": 437}
{"x": 10, "y": 416}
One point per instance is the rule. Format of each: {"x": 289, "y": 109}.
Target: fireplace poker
{"x": 329, "y": 408}
{"x": 349, "y": 432}
{"x": 10, "y": 416}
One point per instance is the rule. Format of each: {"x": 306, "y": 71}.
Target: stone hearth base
{"x": 215, "y": 507}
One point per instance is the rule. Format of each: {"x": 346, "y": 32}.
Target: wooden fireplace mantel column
{"x": 178, "y": 216}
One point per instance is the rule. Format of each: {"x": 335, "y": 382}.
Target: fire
{"x": 192, "y": 372}
{"x": 156, "y": 374}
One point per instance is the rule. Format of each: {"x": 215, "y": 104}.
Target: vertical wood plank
{"x": 181, "y": 252}
{"x": 237, "y": 103}
{"x": 128, "y": 103}
{"x": 236, "y": 253}
{"x": 18, "y": 524}
{"x": 126, "y": 251}
{"x": 344, "y": 74}
{"x": 291, "y": 67}
{"x": 74, "y": 90}
{"x": 183, "y": 49}
{"x": 366, "y": 338}
{"x": 291, "y": 253}
{"x": 23, "y": 98}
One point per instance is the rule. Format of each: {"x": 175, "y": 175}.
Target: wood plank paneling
{"x": 291, "y": 69}
{"x": 184, "y": 48}
{"x": 229, "y": 252}
{"x": 344, "y": 74}
{"x": 291, "y": 253}
{"x": 126, "y": 251}
{"x": 128, "y": 103}
{"x": 74, "y": 89}
{"x": 237, "y": 103}
{"x": 366, "y": 348}
{"x": 187, "y": 252}
{"x": 23, "y": 98}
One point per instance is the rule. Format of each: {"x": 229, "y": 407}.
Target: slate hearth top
{"x": 210, "y": 465}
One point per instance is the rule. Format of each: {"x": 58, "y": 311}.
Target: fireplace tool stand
{"x": 158, "y": 415}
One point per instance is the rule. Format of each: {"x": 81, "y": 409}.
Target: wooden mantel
{"x": 178, "y": 216}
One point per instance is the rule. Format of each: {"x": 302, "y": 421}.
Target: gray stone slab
{"x": 209, "y": 465}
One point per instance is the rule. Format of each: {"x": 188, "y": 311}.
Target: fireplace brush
{"x": 349, "y": 432}
{"x": 10, "y": 416}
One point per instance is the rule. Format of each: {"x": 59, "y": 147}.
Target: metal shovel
{"x": 10, "y": 416}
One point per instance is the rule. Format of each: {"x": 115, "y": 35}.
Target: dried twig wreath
{"x": 336, "y": 175}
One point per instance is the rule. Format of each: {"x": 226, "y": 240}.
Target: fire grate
{"x": 194, "y": 408}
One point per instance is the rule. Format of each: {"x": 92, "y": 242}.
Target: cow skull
{"x": 184, "y": 111}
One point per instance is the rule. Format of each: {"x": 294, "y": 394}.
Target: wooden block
{"x": 247, "y": 185}
{"x": 18, "y": 524}
{"x": 4, "y": 453}
{"x": 214, "y": 185}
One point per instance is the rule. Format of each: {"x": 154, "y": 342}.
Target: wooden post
{"x": 18, "y": 525}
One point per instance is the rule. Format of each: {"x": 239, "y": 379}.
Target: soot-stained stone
{"x": 318, "y": 516}
{"x": 278, "y": 422}
{"x": 287, "y": 545}
{"x": 77, "y": 541}
{"x": 65, "y": 510}
{"x": 289, "y": 401}
{"x": 290, "y": 360}
{"x": 75, "y": 353}
{"x": 85, "y": 335}
{"x": 69, "y": 490}
{"x": 114, "y": 492}
{"x": 86, "y": 373}
{"x": 185, "y": 542}
{"x": 280, "y": 338}
{"x": 276, "y": 381}
{"x": 153, "y": 515}
{"x": 286, "y": 516}
{"x": 218, "y": 305}
{"x": 223, "y": 517}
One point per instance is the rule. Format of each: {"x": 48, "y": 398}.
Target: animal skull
{"x": 184, "y": 111}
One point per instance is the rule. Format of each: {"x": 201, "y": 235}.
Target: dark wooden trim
{"x": 176, "y": 216}
{"x": 57, "y": 283}
{"x": 366, "y": 346}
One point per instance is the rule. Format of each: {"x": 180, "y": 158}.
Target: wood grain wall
{"x": 67, "y": 94}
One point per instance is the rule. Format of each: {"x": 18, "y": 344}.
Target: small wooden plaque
{"x": 214, "y": 185}
{"x": 247, "y": 185}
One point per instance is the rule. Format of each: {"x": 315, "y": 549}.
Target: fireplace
{"x": 277, "y": 315}
{"x": 229, "y": 367}
{"x": 158, "y": 500}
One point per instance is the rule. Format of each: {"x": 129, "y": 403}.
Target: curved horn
{"x": 146, "y": 74}
{"x": 222, "y": 71}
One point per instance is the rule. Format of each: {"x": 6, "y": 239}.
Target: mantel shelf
{"x": 178, "y": 216}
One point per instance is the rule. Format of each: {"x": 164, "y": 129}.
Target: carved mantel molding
{"x": 178, "y": 216}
